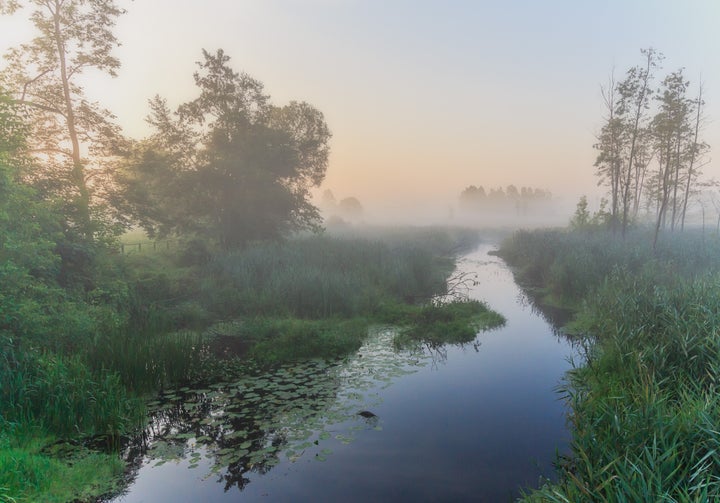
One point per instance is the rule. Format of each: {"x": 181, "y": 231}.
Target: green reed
{"x": 320, "y": 277}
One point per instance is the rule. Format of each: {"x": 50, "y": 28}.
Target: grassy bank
{"x": 645, "y": 404}
{"x": 78, "y": 364}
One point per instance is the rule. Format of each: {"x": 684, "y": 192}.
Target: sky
{"x": 423, "y": 97}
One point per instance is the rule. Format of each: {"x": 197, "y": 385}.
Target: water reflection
{"x": 250, "y": 425}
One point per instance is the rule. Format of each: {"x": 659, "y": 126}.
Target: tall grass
{"x": 63, "y": 395}
{"x": 30, "y": 471}
{"x": 571, "y": 264}
{"x": 645, "y": 404}
{"x": 320, "y": 277}
{"x": 146, "y": 361}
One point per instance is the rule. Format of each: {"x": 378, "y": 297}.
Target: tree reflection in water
{"x": 254, "y": 423}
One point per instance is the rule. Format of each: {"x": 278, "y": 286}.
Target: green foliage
{"x": 583, "y": 220}
{"x": 283, "y": 340}
{"x": 66, "y": 132}
{"x": 151, "y": 359}
{"x": 570, "y": 264}
{"x": 63, "y": 395}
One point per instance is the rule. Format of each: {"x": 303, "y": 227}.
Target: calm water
{"x": 472, "y": 423}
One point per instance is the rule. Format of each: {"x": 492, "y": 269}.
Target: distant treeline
{"x": 474, "y": 198}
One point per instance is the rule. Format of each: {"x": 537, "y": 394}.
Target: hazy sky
{"x": 423, "y": 97}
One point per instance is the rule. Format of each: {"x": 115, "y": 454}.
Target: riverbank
{"x": 644, "y": 402}
{"x": 152, "y": 323}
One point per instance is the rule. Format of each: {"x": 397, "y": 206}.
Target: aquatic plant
{"x": 282, "y": 413}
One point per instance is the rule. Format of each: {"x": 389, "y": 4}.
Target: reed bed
{"x": 321, "y": 277}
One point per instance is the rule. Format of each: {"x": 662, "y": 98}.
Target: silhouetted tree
{"x": 632, "y": 136}
{"x": 350, "y": 207}
{"x": 623, "y": 156}
{"x": 670, "y": 129}
{"x": 229, "y": 165}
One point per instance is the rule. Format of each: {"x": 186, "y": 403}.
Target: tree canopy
{"x": 70, "y": 136}
{"x": 649, "y": 147}
{"x": 229, "y": 165}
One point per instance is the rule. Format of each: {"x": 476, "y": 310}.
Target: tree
{"x": 28, "y": 232}
{"x": 634, "y": 96}
{"x": 632, "y": 137}
{"x": 581, "y": 218}
{"x": 351, "y": 208}
{"x": 328, "y": 203}
{"x": 229, "y": 165}
{"x": 670, "y": 128}
{"x": 608, "y": 162}
{"x": 68, "y": 133}
{"x": 622, "y": 158}
{"x": 696, "y": 150}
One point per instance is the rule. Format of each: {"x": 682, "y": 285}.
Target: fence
{"x": 146, "y": 246}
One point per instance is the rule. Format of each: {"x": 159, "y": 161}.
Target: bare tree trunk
{"x": 675, "y": 182}
{"x": 78, "y": 171}
{"x": 663, "y": 195}
{"x": 691, "y": 164}
{"x": 640, "y": 102}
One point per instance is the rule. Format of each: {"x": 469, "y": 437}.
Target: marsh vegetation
{"x": 306, "y": 298}
{"x": 644, "y": 399}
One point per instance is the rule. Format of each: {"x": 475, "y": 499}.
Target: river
{"x": 471, "y": 423}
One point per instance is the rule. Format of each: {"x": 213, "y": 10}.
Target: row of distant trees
{"x": 476, "y": 198}
{"x": 228, "y": 166}
{"x": 650, "y": 152}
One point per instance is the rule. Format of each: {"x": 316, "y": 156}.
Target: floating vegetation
{"x": 253, "y": 423}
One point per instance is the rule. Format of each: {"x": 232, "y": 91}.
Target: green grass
{"x": 62, "y": 395}
{"x": 321, "y": 277}
{"x": 36, "y": 467}
{"x": 146, "y": 361}
{"x": 279, "y": 340}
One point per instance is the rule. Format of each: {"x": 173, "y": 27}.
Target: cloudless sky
{"x": 423, "y": 97}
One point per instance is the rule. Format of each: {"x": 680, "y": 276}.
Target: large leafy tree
{"x": 228, "y": 165}
{"x": 71, "y": 137}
